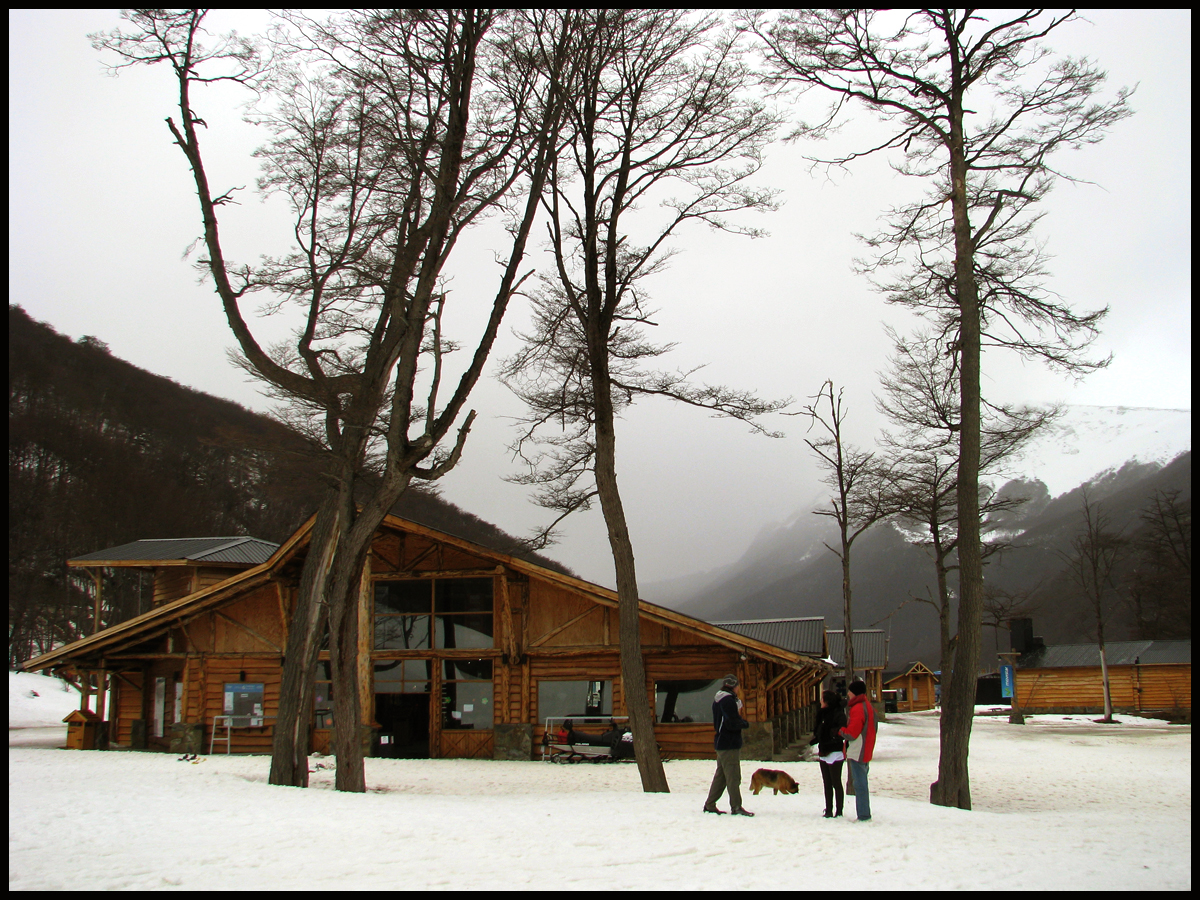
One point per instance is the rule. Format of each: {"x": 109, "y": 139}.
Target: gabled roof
{"x": 870, "y": 648}
{"x": 805, "y": 636}
{"x": 250, "y": 551}
{"x": 151, "y": 624}
{"x": 913, "y": 668}
{"x": 1116, "y": 653}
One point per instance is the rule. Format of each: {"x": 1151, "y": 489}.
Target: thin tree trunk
{"x": 290, "y": 746}
{"x": 953, "y": 787}
{"x": 633, "y": 668}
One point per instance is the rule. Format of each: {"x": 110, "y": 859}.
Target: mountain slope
{"x": 1124, "y": 455}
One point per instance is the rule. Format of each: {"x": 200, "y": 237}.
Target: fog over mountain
{"x": 1123, "y": 454}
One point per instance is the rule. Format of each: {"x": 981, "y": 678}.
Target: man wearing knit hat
{"x": 728, "y": 724}
{"x": 860, "y": 732}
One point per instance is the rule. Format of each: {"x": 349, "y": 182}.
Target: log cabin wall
{"x": 1080, "y": 688}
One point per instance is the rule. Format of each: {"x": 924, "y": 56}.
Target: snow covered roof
{"x": 805, "y": 636}
{"x": 250, "y": 551}
{"x": 1117, "y": 653}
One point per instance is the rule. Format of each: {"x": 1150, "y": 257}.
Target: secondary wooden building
{"x": 914, "y": 687}
{"x": 463, "y": 652}
{"x": 1151, "y": 678}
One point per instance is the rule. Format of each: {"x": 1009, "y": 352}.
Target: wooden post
{"x": 366, "y": 623}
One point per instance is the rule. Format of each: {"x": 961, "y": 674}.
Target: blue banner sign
{"x": 1006, "y": 681}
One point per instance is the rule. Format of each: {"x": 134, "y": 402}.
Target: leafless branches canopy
{"x": 661, "y": 130}
{"x": 979, "y": 111}
{"x": 391, "y": 132}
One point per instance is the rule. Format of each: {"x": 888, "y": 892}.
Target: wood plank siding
{"x": 1133, "y": 688}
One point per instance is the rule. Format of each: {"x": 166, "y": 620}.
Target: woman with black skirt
{"x": 831, "y": 749}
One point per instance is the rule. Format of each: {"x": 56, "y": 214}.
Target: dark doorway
{"x": 403, "y": 726}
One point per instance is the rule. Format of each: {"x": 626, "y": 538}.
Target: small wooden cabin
{"x": 915, "y": 687}
{"x": 463, "y": 652}
{"x": 1152, "y": 678}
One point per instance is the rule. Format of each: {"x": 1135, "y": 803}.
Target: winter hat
{"x": 857, "y": 687}
{"x": 729, "y": 682}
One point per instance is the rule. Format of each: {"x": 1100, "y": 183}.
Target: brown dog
{"x": 774, "y": 779}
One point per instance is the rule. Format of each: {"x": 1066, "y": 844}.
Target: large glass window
{"x": 445, "y": 614}
{"x": 403, "y": 615}
{"x": 467, "y": 693}
{"x": 574, "y": 698}
{"x": 685, "y": 701}
{"x": 463, "y": 607}
{"x": 403, "y": 676}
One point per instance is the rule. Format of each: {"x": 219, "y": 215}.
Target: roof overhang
{"x": 156, "y": 621}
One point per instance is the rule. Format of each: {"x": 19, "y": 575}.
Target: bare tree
{"x": 978, "y": 111}
{"x": 1160, "y": 586}
{"x": 920, "y": 397}
{"x": 659, "y": 114}
{"x": 1095, "y": 554}
{"x": 861, "y": 483}
{"x": 393, "y": 131}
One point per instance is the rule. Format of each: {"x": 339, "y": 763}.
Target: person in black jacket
{"x": 728, "y": 724}
{"x": 831, "y": 749}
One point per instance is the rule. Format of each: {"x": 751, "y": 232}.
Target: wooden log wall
{"x": 1132, "y": 687}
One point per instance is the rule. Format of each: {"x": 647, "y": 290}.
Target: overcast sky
{"x": 102, "y": 210}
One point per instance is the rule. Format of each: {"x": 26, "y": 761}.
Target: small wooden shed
{"x": 915, "y": 687}
{"x": 464, "y": 651}
{"x": 1151, "y": 678}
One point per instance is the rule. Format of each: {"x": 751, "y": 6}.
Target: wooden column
{"x": 366, "y": 622}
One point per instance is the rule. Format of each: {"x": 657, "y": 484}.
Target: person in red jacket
{"x": 860, "y": 732}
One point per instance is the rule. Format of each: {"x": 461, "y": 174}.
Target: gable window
{"x": 444, "y": 613}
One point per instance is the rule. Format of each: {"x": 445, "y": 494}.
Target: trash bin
{"x": 83, "y": 729}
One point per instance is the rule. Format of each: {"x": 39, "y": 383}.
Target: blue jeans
{"x": 862, "y": 801}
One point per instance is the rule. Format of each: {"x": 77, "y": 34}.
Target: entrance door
{"x": 402, "y": 708}
{"x": 403, "y": 725}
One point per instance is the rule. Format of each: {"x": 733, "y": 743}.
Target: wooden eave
{"x": 150, "y": 563}
{"x": 158, "y": 620}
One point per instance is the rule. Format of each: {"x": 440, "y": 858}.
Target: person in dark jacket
{"x": 831, "y": 750}
{"x": 728, "y": 724}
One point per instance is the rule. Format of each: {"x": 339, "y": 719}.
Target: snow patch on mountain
{"x": 1089, "y": 441}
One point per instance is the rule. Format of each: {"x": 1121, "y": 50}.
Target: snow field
{"x": 1060, "y": 804}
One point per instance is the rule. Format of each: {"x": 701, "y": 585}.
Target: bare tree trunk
{"x": 289, "y": 751}
{"x": 953, "y": 787}
{"x": 1108, "y": 710}
{"x": 633, "y": 667}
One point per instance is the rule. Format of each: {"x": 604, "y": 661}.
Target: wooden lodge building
{"x": 463, "y": 652}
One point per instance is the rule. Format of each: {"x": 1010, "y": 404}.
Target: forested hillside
{"x": 102, "y": 453}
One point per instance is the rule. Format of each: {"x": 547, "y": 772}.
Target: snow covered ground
{"x": 1060, "y": 804}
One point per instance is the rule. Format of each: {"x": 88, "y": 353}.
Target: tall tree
{"x": 393, "y": 131}
{"x": 1095, "y": 553}
{"x": 862, "y": 495}
{"x": 920, "y": 397}
{"x": 659, "y": 113}
{"x": 978, "y": 110}
{"x": 1160, "y": 586}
